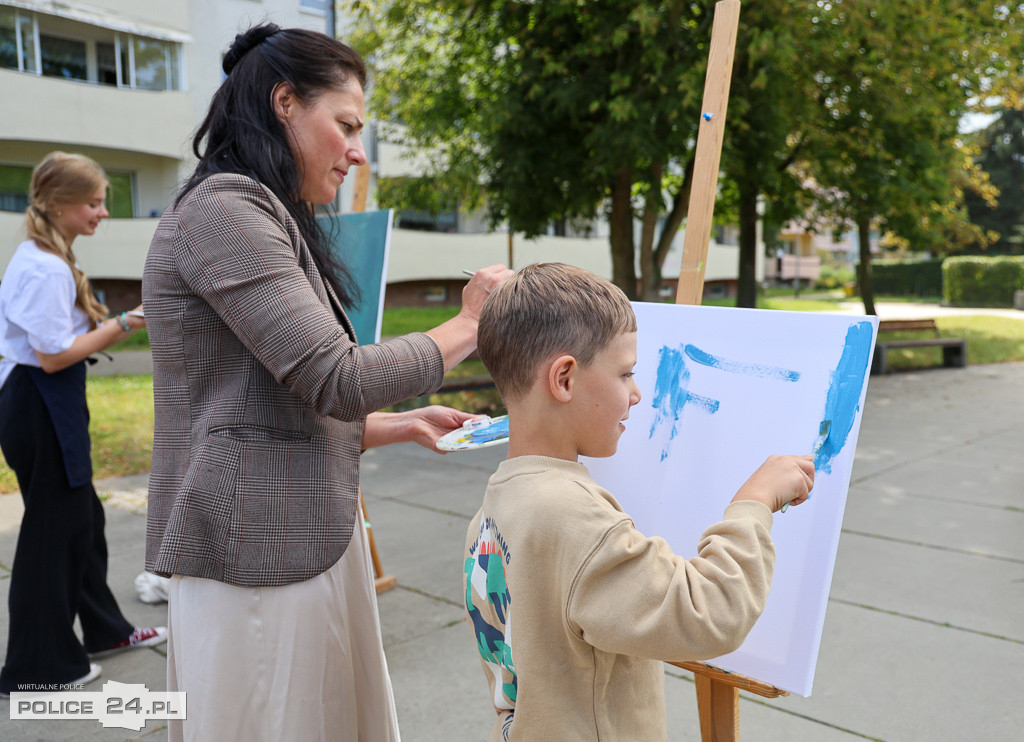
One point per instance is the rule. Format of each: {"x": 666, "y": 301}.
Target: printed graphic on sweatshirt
{"x": 489, "y": 605}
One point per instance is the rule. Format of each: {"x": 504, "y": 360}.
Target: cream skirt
{"x": 302, "y": 662}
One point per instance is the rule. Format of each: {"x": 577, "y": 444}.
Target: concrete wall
{"x": 171, "y": 14}
{"x": 117, "y": 250}
{"x": 213, "y": 25}
{"x": 77, "y": 114}
{"x": 420, "y": 262}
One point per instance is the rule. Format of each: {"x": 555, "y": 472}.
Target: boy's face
{"x": 605, "y": 390}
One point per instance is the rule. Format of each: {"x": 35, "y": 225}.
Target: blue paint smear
{"x": 490, "y": 432}
{"x": 749, "y": 369}
{"x": 843, "y": 399}
{"x": 672, "y": 394}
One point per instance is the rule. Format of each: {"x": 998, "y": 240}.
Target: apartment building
{"x": 127, "y": 82}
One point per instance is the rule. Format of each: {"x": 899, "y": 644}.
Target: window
{"x": 17, "y": 40}
{"x": 446, "y": 221}
{"x": 121, "y": 196}
{"x": 320, "y": 5}
{"x": 73, "y": 50}
{"x": 30, "y": 61}
{"x": 435, "y": 294}
{"x": 15, "y": 180}
{"x": 154, "y": 64}
{"x": 8, "y": 38}
{"x": 63, "y": 57}
{"x": 106, "y": 63}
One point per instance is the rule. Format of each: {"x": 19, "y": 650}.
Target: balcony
{"x": 52, "y": 109}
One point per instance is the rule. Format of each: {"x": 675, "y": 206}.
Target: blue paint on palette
{"x": 843, "y": 399}
{"x": 672, "y": 394}
{"x": 749, "y": 369}
{"x": 499, "y": 429}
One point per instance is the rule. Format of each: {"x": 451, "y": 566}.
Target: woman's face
{"x": 324, "y": 137}
{"x": 79, "y": 219}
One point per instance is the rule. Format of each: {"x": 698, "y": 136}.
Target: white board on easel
{"x": 722, "y": 390}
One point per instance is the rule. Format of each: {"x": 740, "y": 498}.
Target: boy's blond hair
{"x": 544, "y": 309}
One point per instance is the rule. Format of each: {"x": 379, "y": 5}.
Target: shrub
{"x": 982, "y": 281}
{"x": 907, "y": 277}
{"x": 832, "y": 277}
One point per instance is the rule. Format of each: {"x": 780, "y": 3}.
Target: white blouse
{"x": 37, "y": 308}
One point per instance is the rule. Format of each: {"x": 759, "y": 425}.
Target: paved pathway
{"x": 924, "y": 636}
{"x": 914, "y": 310}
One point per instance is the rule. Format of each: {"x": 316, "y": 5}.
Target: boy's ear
{"x": 562, "y": 377}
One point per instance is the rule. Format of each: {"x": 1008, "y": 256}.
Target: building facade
{"x": 127, "y": 82}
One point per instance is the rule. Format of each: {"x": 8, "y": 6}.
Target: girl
{"x": 50, "y": 322}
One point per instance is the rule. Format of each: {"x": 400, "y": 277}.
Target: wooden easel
{"x": 381, "y": 582}
{"x": 718, "y": 704}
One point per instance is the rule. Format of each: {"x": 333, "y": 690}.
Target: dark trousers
{"x": 60, "y": 565}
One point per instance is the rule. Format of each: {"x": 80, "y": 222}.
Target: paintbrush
{"x": 823, "y": 431}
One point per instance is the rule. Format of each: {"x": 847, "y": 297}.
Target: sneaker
{"x": 141, "y": 637}
{"x": 94, "y": 672}
{"x": 151, "y": 588}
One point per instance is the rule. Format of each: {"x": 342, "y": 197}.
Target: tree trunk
{"x": 864, "y": 284}
{"x": 746, "y": 293}
{"x": 650, "y": 267}
{"x": 680, "y": 206}
{"x": 621, "y": 234}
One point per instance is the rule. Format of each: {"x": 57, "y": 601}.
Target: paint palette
{"x": 479, "y": 433}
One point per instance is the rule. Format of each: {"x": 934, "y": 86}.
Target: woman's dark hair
{"x": 242, "y": 134}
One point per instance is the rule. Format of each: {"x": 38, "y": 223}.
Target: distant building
{"x": 802, "y": 253}
{"x": 125, "y": 82}
{"x": 128, "y": 81}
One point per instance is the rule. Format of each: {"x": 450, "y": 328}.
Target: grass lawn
{"x": 790, "y": 303}
{"x": 990, "y": 339}
{"x": 403, "y": 320}
{"x": 138, "y": 340}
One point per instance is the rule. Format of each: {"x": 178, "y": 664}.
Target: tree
{"x": 566, "y": 110}
{"x": 1001, "y": 155}
{"x": 768, "y": 110}
{"x": 550, "y": 111}
{"x": 892, "y": 93}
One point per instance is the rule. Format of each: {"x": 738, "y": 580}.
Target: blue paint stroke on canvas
{"x": 672, "y": 394}
{"x": 843, "y": 399}
{"x": 749, "y": 369}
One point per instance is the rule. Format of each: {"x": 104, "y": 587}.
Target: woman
{"x": 264, "y": 402}
{"x": 50, "y": 322}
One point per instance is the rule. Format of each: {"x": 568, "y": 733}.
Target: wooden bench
{"x": 954, "y": 350}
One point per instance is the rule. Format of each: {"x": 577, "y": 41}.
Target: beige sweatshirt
{"x": 574, "y": 610}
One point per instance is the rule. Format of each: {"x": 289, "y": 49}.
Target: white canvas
{"x": 722, "y": 390}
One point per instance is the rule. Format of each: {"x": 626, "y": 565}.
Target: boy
{"x": 572, "y": 608}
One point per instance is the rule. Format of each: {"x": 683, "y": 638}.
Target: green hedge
{"x": 982, "y": 282}
{"x": 907, "y": 278}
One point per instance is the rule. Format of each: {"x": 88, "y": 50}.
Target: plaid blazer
{"x": 260, "y": 393}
